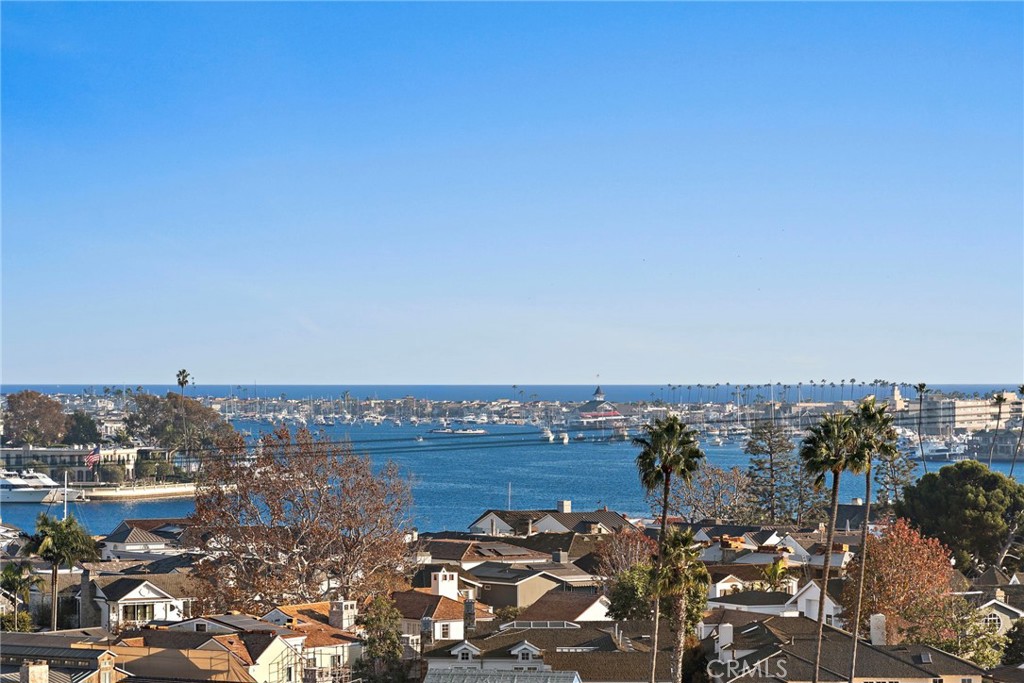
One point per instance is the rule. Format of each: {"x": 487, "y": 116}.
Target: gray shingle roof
{"x": 559, "y": 606}
{"x": 754, "y": 598}
{"x": 134, "y": 535}
{"x": 498, "y": 643}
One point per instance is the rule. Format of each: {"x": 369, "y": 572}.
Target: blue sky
{"x": 512, "y": 193}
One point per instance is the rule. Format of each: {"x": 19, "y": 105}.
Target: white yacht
{"x": 14, "y": 489}
{"x": 54, "y": 492}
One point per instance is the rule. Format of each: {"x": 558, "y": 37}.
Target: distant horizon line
{"x": 494, "y": 384}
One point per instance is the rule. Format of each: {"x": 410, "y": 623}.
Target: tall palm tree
{"x": 1020, "y": 433}
{"x": 999, "y": 399}
{"x": 828, "y": 448}
{"x": 922, "y": 389}
{"x": 681, "y": 570}
{"x": 183, "y": 380}
{"x": 876, "y": 435}
{"x": 18, "y": 579}
{"x": 668, "y": 448}
{"x": 61, "y": 543}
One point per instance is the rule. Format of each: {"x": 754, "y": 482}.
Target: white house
{"x": 1000, "y": 615}
{"x": 331, "y": 644}
{"x": 130, "y": 602}
{"x": 438, "y": 612}
{"x": 806, "y": 601}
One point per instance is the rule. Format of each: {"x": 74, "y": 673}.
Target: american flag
{"x": 93, "y": 457}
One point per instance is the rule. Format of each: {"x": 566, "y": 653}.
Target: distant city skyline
{"x": 333, "y": 193}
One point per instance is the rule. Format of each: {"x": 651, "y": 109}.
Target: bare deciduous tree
{"x": 712, "y": 493}
{"x": 300, "y": 520}
{"x": 622, "y": 551}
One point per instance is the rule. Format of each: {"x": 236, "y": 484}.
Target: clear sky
{"x": 512, "y": 193}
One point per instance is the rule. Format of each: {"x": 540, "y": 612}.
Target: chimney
{"x": 343, "y": 614}
{"x": 877, "y": 629}
{"x": 858, "y": 501}
{"x": 34, "y": 672}
{"x": 560, "y": 557}
{"x": 1000, "y": 595}
{"x": 88, "y": 610}
{"x": 445, "y": 583}
{"x": 724, "y": 641}
{"x": 529, "y": 527}
{"x": 469, "y": 616}
{"x": 565, "y": 506}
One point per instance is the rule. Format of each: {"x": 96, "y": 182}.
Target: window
{"x": 335, "y": 662}
{"x": 201, "y": 627}
{"x": 105, "y": 677}
{"x": 446, "y": 631}
{"x": 993, "y": 621}
{"x": 525, "y": 656}
{"x": 288, "y": 674}
{"x": 139, "y": 612}
{"x": 464, "y": 656}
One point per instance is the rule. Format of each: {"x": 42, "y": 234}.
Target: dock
{"x": 139, "y": 492}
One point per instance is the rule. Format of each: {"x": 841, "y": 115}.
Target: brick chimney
{"x": 88, "y": 610}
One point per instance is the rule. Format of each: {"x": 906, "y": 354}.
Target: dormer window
{"x": 524, "y": 656}
{"x": 464, "y": 656}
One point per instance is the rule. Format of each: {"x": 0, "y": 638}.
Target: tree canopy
{"x": 298, "y": 520}
{"x": 975, "y": 512}
{"x": 159, "y": 419}
{"x": 712, "y": 492}
{"x": 33, "y": 418}
{"x": 381, "y": 659}
{"x": 81, "y": 429}
{"x": 768, "y": 446}
{"x": 907, "y": 578}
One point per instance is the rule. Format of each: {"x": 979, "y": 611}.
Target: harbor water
{"x": 455, "y": 478}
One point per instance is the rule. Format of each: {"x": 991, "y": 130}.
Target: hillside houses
{"x": 559, "y": 520}
{"x": 146, "y": 604}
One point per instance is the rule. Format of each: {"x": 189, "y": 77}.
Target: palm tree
{"x": 828, "y": 448}
{"x": 183, "y": 380}
{"x": 1020, "y": 433}
{"x": 999, "y": 400}
{"x": 681, "y": 571}
{"x": 18, "y": 579}
{"x": 61, "y": 543}
{"x": 775, "y": 574}
{"x": 876, "y": 434}
{"x": 667, "y": 448}
{"x": 922, "y": 389}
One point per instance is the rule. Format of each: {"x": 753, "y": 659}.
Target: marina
{"x": 453, "y": 477}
